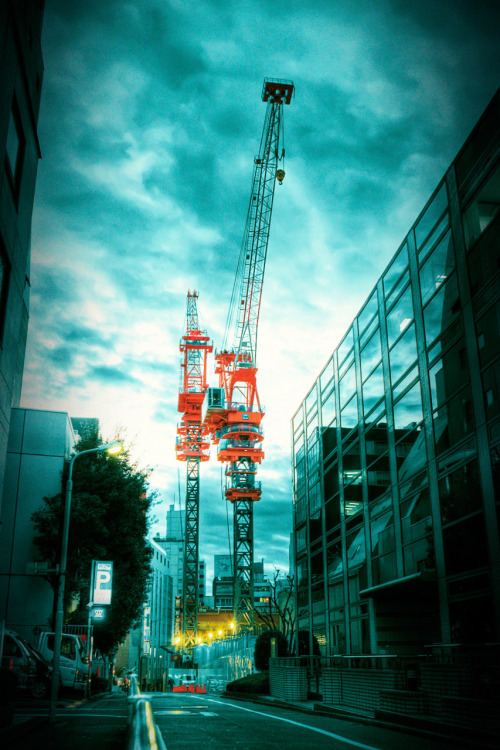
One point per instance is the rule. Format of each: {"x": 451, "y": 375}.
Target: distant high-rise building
{"x": 173, "y": 544}
{"x": 223, "y": 566}
{"x": 223, "y": 583}
{"x": 157, "y": 630}
{"x": 176, "y": 519}
{"x": 20, "y": 89}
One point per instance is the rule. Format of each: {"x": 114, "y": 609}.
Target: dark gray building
{"x": 21, "y": 68}
{"x": 396, "y": 448}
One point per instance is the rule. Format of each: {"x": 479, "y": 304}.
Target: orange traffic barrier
{"x": 179, "y": 689}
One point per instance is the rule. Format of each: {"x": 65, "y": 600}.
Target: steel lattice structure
{"x": 192, "y": 446}
{"x": 234, "y": 412}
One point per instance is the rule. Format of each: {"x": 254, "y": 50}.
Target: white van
{"x": 73, "y": 664}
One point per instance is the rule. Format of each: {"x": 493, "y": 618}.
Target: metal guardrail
{"x": 143, "y": 734}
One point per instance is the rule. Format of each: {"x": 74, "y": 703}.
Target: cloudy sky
{"x": 151, "y": 116}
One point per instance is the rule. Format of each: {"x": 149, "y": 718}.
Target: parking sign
{"x": 103, "y": 582}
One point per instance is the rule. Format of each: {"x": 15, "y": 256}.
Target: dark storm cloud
{"x": 112, "y": 375}
{"x": 61, "y": 355}
{"x": 150, "y": 119}
{"x": 80, "y": 334}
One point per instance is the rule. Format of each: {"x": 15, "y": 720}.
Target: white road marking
{"x": 298, "y": 724}
{"x": 183, "y": 713}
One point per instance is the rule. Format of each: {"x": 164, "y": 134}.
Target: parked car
{"x": 32, "y": 671}
{"x": 73, "y": 659}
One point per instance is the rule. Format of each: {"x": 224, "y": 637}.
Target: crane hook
{"x": 280, "y": 175}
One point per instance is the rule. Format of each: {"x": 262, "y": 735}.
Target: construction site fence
{"x": 481, "y": 662}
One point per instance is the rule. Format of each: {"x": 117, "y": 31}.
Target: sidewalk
{"x": 77, "y": 726}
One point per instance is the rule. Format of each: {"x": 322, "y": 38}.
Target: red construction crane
{"x": 192, "y": 446}
{"x": 233, "y": 412}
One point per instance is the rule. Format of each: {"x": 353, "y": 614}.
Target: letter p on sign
{"x": 103, "y": 582}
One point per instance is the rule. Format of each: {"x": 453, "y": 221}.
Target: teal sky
{"x": 151, "y": 116}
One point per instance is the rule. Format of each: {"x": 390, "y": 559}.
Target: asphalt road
{"x": 203, "y": 722}
{"x": 206, "y": 722}
{"x": 79, "y": 725}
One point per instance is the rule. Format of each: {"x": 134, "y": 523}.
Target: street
{"x": 207, "y": 722}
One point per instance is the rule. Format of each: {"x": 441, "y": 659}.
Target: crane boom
{"x": 233, "y": 412}
{"x": 244, "y": 309}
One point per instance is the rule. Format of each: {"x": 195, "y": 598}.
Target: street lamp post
{"x": 114, "y": 447}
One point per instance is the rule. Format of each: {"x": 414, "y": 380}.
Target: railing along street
{"x": 143, "y": 734}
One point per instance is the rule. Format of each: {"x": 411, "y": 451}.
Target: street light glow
{"x": 112, "y": 448}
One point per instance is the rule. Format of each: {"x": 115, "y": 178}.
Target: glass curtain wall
{"x": 396, "y": 448}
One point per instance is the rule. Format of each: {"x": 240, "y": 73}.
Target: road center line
{"x": 298, "y": 724}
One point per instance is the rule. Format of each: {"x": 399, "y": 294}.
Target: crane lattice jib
{"x": 192, "y": 446}
{"x": 243, "y": 319}
{"x": 194, "y": 345}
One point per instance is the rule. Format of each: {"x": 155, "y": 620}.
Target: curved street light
{"x": 113, "y": 448}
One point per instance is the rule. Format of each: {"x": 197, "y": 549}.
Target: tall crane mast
{"x": 233, "y": 412}
{"x": 192, "y": 446}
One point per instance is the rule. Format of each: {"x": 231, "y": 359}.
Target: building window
{"x": 483, "y": 209}
{"x": 373, "y": 390}
{"x": 442, "y": 310}
{"x": 449, "y": 374}
{"x": 4, "y": 287}
{"x": 14, "y": 149}
{"x": 326, "y": 378}
{"x": 328, "y": 410}
{"x": 367, "y": 318}
{"x": 437, "y": 268}
{"x": 400, "y": 316}
{"x": 431, "y": 216}
{"x": 345, "y": 352}
{"x": 404, "y": 355}
{"x": 393, "y": 280}
{"x": 347, "y": 386}
{"x": 371, "y": 354}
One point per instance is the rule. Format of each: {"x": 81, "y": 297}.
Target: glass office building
{"x": 396, "y": 448}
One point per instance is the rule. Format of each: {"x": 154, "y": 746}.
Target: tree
{"x": 109, "y": 521}
{"x": 262, "y": 650}
{"x": 281, "y": 603}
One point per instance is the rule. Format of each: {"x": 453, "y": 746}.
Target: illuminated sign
{"x": 103, "y": 582}
{"x": 98, "y": 613}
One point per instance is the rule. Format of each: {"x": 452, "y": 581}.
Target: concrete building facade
{"x": 20, "y": 90}
{"x": 158, "y": 620}
{"x": 40, "y": 442}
